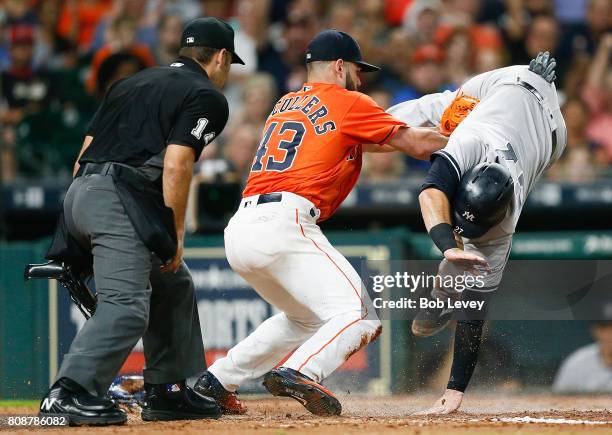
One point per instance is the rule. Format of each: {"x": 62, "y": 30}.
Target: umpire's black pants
{"x": 134, "y": 298}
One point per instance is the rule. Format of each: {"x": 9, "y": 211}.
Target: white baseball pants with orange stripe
{"x": 325, "y": 316}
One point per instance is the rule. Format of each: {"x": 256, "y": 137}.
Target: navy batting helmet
{"x": 482, "y": 199}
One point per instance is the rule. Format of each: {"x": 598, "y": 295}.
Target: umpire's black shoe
{"x": 287, "y": 382}
{"x": 69, "y": 399}
{"x": 209, "y": 385}
{"x": 176, "y": 402}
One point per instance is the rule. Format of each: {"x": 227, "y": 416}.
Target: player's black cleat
{"x": 176, "y": 402}
{"x": 287, "y": 382}
{"x": 430, "y": 321}
{"x": 69, "y": 399}
{"x": 228, "y": 401}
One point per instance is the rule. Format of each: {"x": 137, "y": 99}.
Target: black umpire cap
{"x": 332, "y": 45}
{"x": 210, "y": 32}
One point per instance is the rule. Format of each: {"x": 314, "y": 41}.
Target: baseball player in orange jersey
{"x": 308, "y": 161}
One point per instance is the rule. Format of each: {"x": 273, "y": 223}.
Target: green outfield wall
{"x": 29, "y": 315}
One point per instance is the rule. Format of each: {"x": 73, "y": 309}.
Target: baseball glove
{"x": 456, "y": 112}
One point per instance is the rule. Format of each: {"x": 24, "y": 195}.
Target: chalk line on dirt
{"x": 527, "y": 419}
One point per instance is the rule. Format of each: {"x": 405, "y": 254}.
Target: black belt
{"x": 531, "y": 89}
{"x": 277, "y": 197}
{"x": 540, "y": 98}
{"x": 269, "y": 197}
{"x": 95, "y": 168}
{"x": 107, "y": 168}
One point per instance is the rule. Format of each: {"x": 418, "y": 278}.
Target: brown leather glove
{"x": 456, "y": 112}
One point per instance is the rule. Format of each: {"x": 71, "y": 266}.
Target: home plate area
{"x": 481, "y": 413}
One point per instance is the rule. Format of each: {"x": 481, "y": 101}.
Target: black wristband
{"x": 443, "y": 236}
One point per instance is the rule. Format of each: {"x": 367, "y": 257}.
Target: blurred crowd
{"x": 58, "y": 57}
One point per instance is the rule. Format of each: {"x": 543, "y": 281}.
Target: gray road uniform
{"x": 517, "y": 123}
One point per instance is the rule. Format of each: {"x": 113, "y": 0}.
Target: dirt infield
{"x": 482, "y": 414}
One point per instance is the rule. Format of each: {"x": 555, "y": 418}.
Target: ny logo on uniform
{"x": 190, "y": 40}
{"x": 47, "y": 403}
{"x": 469, "y": 216}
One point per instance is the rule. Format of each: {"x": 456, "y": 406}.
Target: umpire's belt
{"x": 546, "y": 108}
{"x": 95, "y": 168}
{"x": 109, "y": 168}
{"x": 143, "y": 201}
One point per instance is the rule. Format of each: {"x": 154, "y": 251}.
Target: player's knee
{"x": 307, "y": 325}
{"x": 372, "y": 328}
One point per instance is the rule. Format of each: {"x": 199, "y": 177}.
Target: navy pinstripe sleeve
{"x": 443, "y": 175}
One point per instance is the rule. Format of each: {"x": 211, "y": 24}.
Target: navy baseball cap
{"x": 332, "y": 44}
{"x": 210, "y": 32}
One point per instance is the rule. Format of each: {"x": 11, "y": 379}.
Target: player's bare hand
{"x": 466, "y": 260}
{"x": 176, "y": 261}
{"x": 448, "y": 403}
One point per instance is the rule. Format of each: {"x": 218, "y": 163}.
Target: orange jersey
{"x": 311, "y": 144}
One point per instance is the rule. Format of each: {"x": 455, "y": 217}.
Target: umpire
{"x": 126, "y": 205}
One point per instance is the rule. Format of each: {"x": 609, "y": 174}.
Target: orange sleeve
{"x": 64, "y": 23}
{"x": 99, "y": 57}
{"x": 144, "y": 54}
{"x": 367, "y": 123}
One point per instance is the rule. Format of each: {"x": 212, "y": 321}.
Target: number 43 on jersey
{"x": 292, "y": 130}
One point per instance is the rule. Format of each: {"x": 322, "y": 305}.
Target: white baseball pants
{"x": 324, "y": 315}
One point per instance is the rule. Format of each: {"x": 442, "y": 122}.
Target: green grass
{"x": 17, "y": 403}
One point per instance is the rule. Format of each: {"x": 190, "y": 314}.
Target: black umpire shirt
{"x": 142, "y": 114}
